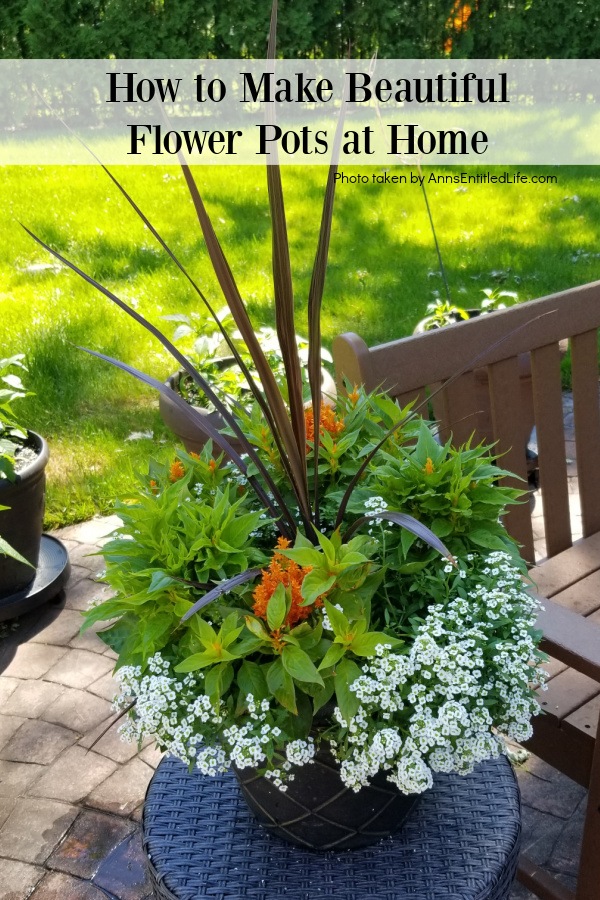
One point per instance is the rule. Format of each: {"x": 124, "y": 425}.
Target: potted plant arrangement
{"x": 210, "y": 354}
{"x": 23, "y": 459}
{"x": 335, "y": 607}
{"x": 357, "y": 655}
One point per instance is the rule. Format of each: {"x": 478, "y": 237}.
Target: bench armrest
{"x": 570, "y": 638}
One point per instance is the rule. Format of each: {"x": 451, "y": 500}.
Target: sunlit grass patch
{"x": 533, "y": 239}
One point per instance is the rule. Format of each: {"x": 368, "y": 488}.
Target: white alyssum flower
{"x": 299, "y": 752}
{"x": 375, "y": 505}
{"x": 459, "y": 683}
{"x": 438, "y": 703}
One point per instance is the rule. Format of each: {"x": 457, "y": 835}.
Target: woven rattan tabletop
{"x": 461, "y": 842}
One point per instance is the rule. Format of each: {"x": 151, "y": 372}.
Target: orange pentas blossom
{"x": 283, "y": 571}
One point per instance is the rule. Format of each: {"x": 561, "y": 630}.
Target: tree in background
{"x": 190, "y": 29}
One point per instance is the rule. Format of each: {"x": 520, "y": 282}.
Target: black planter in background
{"x": 22, "y": 524}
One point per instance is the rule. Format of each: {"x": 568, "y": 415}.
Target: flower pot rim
{"x": 35, "y": 466}
{"x": 328, "y": 387}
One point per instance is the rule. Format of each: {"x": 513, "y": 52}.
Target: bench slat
{"x": 570, "y": 638}
{"x": 567, "y": 568}
{"x": 568, "y": 692}
{"x": 419, "y": 398}
{"x": 456, "y": 407}
{"x": 553, "y": 667}
{"x": 504, "y": 385}
{"x": 585, "y": 719}
{"x": 477, "y": 342}
{"x": 583, "y": 597}
{"x": 547, "y": 401}
{"x": 586, "y": 408}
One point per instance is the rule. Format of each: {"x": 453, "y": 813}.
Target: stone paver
{"x": 151, "y": 755}
{"x": 7, "y": 688}
{"x": 58, "y": 886}
{"x": 73, "y": 776}
{"x": 79, "y": 669}
{"x": 56, "y": 689}
{"x": 62, "y": 627}
{"x": 31, "y": 698}
{"x": 38, "y": 742}
{"x": 85, "y": 555}
{"x": 121, "y": 792}
{"x": 86, "y": 592}
{"x": 16, "y": 777}
{"x": 92, "y": 531}
{"x": 565, "y": 859}
{"x": 124, "y": 872}
{"x": 34, "y": 828}
{"x": 78, "y": 573}
{"x": 78, "y": 710}
{"x": 34, "y": 660}
{"x": 92, "y": 838}
{"x": 106, "y": 687}
{"x": 110, "y": 745}
{"x": 8, "y": 726}
{"x": 88, "y": 641}
{"x": 557, "y": 797}
{"x": 7, "y": 804}
{"x": 18, "y": 878}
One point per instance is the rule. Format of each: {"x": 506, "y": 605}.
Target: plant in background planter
{"x": 23, "y": 458}
{"x": 444, "y": 312}
{"x": 211, "y": 355}
{"x": 336, "y": 603}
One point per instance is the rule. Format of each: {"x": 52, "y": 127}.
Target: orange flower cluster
{"x": 176, "y": 471}
{"x": 288, "y": 573}
{"x": 429, "y": 468}
{"x": 328, "y": 421}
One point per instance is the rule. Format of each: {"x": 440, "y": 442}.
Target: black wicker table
{"x": 461, "y": 842}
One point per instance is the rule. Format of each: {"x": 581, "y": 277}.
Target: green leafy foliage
{"x": 184, "y": 529}
{"x": 12, "y": 433}
{"x": 454, "y": 491}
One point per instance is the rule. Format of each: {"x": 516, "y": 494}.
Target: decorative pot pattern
{"x": 318, "y": 812}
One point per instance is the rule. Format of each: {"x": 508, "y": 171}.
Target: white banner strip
{"x": 457, "y": 112}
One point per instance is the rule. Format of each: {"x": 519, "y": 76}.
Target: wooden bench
{"x": 412, "y": 369}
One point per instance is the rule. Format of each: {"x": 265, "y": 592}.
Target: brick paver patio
{"x": 69, "y": 815}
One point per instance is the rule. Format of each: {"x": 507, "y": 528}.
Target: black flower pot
{"x": 21, "y": 524}
{"x": 318, "y": 812}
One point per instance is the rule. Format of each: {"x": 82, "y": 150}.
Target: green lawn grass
{"x": 535, "y": 239}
